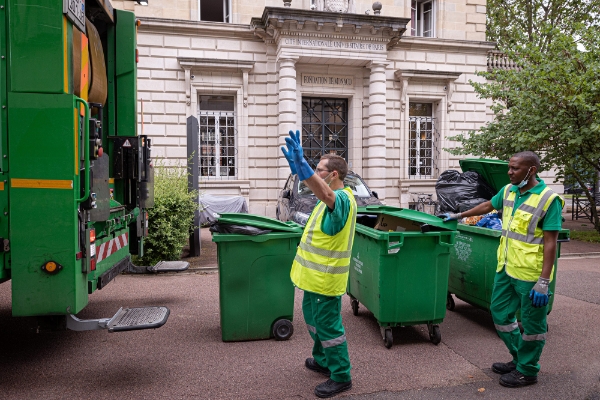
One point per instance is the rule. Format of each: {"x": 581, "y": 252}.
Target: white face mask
{"x": 524, "y": 181}
{"x": 328, "y": 179}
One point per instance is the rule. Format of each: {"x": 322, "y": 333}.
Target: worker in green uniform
{"x": 322, "y": 264}
{"x": 531, "y": 220}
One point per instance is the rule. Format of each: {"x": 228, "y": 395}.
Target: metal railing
{"x": 581, "y": 207}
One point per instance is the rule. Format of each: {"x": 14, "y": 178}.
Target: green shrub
{"x": 171, "y": 218}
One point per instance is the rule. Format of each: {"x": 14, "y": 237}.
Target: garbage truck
{"x": 76, "y": 179}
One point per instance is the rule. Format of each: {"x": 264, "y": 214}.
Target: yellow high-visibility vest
{"x": 322, "y": 262}
{"x": 521, "y": 249}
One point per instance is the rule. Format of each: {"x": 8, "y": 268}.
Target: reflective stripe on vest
{"x": 521, "y": 248}
{"x": 322, "y": 261}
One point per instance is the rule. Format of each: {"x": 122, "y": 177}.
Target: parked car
{"x": 296, "y": 201}
{"x": 576, "y": 188}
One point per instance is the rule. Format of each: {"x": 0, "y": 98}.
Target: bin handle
{"x": 86, "y": 149}
{"x": 446, "y": 244}
{"x": 396, "y": 245}
{"x": 260, "y": 238}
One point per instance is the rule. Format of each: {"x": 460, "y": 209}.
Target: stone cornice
{"x": 447, "y": 77}
{"x": 423, "y": 43}
{"x": 196, "y": 28}
{"x": 426, "y": 74}
{"x": 279, "y": 21}
{"x": 215, "y": 64}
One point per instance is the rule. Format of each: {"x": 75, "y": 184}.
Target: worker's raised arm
{"x": 320, "y": 186}
{"x": 481, "y": 209}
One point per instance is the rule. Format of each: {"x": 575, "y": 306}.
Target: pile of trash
{"x": 491, "y": 220}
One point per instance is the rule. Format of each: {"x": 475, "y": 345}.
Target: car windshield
{"x": 352, "y": 181}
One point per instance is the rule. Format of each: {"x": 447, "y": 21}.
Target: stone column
{"x": 375, "y": 142}
{"x": 287, "y": 109}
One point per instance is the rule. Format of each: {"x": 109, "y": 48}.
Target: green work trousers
{"x": 324, "y": 320}
{"x": 508, "y": 296}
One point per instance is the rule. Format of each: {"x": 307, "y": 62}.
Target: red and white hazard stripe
{"x": 113, "y": 245}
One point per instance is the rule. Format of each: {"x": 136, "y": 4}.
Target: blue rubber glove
{"x": 288, "y": 157}
{"x": 539, "y": 293}
{"x": 302, "y": 168}
{"x": 449, "y": 217}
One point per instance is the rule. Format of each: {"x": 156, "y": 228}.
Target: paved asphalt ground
{"x": 187, "y": 359}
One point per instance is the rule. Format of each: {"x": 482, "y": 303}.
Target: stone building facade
{"x": 383, "y": 86}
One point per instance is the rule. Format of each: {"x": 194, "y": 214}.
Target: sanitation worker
{"x": 322, "y": 264}
{"x": 531, "y": 219}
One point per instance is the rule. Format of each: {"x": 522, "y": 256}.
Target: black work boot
{"x": 504, "y": 368}
{"x": 516, "y": 379}
{"x": 331, "y": 388}
{"x": 311, "y": 364}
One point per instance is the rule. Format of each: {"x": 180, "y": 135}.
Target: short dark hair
{"x": 529, "y": 157}
{"x": 336, "y": 163}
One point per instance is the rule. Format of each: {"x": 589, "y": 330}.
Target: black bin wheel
{"x": 283, "y": 329}
{"x": 354, "y": 304}
{"x": 450, "y": 304}
{"x": 435, "y": 335}
{"x": 388, "y": 340}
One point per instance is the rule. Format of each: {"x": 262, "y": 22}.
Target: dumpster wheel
{"x": 388, "y": 338}
{"x": 450, "y": 304}
{"x": 354, "y": 304}
{"x": 435, "y": 336}
{"x": 283, "y": 329}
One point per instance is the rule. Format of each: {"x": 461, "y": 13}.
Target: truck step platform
{"x": 126, "y": 319}
{"x": 130, "y": 319}
{"x": 169, "y": 266}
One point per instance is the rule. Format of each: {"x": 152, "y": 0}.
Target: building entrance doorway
{"x": 324, "y": 128}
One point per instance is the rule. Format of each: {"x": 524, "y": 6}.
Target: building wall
{"x": 262, "y": 169}
{"x": 455, "y": 19}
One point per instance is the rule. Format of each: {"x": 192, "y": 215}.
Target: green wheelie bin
{"x": 399, "y": 268}
{"x": 473, "y": 258}
{"x": 256, "y": 294}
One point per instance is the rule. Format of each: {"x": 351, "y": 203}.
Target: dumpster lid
{"x": 495, "y": 172}
{"x": 259, "y": 221}
{"x": 408, "y": 214}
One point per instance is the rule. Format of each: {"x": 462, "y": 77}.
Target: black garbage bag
{"x": 239, "y": 229}
{"x": 468, "y": 204}
{"x": 454, "y": 188}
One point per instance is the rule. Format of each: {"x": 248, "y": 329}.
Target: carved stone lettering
{"x": 334, "y": 44}
{"x": 327, "y": 80}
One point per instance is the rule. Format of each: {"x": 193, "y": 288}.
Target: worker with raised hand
{"x": 322, "y": 263}
{"x": 531, "y": 220}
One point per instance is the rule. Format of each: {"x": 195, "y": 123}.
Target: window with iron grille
{"x": 218, "y": 137}
{"x": 422, "y": 18}
{"x": 422, "y": 151}
{"x": 324, "y": 128}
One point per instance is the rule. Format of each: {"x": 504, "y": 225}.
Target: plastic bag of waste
{"x": 491, "y": 221}
{"x": 239, "y": 229}
{"x": 454, "y": 188}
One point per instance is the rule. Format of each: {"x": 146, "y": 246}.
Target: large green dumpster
{"x": 399, "y": 268}
{"x": 473, "y": 258}
{"x": 256, "y": 294}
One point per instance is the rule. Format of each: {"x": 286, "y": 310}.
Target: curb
{"x": 580, "y": 255}
{"x": 209, "y": 269}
